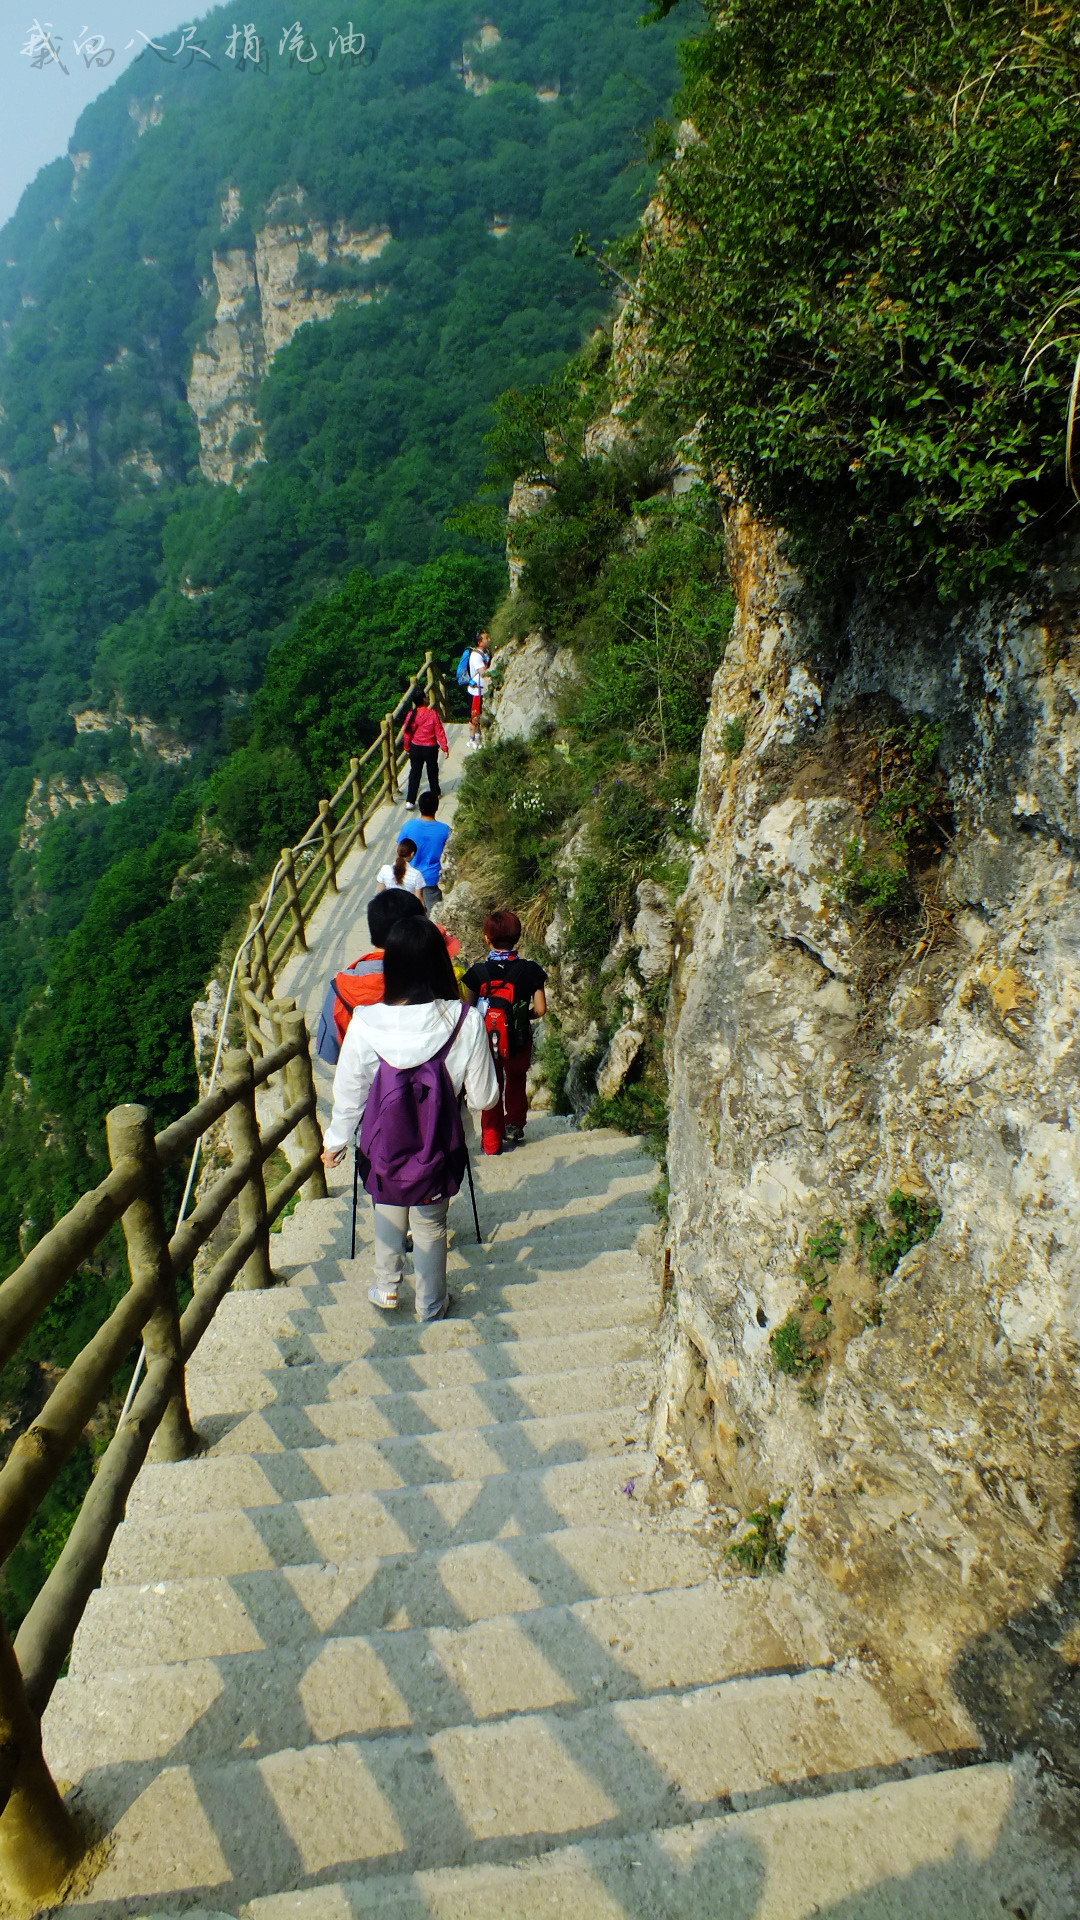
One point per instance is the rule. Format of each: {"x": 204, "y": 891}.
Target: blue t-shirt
{"x": 429, "y": 838}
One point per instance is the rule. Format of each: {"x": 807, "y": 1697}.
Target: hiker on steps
{"x": 511, "y": 994}
{"x": 361, "y": 983}
{"x": 401, "y": 872}
{"x": 402, "y": 1069}
{"x": 429, "y": 836}
{"x": 424, "y": 738}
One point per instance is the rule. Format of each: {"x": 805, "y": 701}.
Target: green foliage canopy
{"x": 880, "y": 213}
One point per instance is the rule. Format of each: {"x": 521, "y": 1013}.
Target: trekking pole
{"x": 472, "y": 1191}
{"x": 355, "y": 1192}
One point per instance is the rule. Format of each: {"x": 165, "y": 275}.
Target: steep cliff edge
{"x": 824, "y": 1056}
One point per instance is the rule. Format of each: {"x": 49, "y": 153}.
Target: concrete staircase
{"x": 420, "y": 1634}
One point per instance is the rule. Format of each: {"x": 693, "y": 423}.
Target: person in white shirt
{"x": 401, "y": 872}
{"x": 479, "y": 662}
{"x": 421, "y": 1009}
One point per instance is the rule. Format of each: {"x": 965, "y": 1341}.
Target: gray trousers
{"x": 428, "y": 1226}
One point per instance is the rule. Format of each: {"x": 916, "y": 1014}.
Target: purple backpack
{"x": 411, "y": 1147}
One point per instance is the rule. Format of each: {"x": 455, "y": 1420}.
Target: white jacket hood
{"x": 404, "y": 1036}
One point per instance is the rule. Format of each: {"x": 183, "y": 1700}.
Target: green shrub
{"x": 733, "y": 736}
{"x": 593, "y": 915}
{"x": 761, "y": 1549}
{"x": 918, "y": 1220}
{"x": 789, "y": 1349}
{"x": 553, "y": 1059}
{"x": 880, "y": 883}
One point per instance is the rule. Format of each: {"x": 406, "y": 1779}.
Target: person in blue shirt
{"x": 429, "y": 836}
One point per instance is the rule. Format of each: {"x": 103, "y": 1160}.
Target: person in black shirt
{"x": 511, "y": 993}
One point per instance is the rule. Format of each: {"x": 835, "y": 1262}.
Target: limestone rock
{"x": 462, "y": 914}
{"x": 819, "y": 1063}
{"x": 529, "y": 676}
{"x": 653, "y": 932}
{"x": 262, "y": 299}
{"x": 606, "y": 436}
{"x": 527, "y": 498}
{"x": 618, "y": 1061}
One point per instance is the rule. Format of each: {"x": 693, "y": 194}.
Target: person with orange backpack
{"x": 510, "y": 994}
{"x": 361, "y": 983}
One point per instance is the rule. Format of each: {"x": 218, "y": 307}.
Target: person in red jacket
{"x": 425, "y": 738}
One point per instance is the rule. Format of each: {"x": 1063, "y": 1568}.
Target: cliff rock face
{"x": 48, "y": 799}
{"x": 824, "y": 1057}
{"x": 529, "y": 676}
{"x": 262, "y": 298}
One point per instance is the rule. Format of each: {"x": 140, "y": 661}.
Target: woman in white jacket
{"x": 417, "y": 1017}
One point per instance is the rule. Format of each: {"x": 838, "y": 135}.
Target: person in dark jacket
{"x": 487, "y": 984}
{"x": 424, "y": 737}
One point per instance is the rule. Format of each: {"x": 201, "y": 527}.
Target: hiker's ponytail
{"x": 405, "y": 851}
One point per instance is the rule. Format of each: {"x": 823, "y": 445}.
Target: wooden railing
{"x": 39, "y": 1841}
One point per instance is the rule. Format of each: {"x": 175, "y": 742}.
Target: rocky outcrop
{"x": 824, "y": 1060}
{"x": 155, "y": 739}
{"x": 48, "y": 799}
{"x": 146, "y": 114}
{"x": 528, "y": 677}
{"x": 468, "y": 70}
{"x": 527, "y": 498}
{"x": 141, "y": 460}
{"x": 263, "y": 297}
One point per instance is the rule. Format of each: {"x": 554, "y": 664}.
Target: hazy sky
{"x": 39, "y": 106}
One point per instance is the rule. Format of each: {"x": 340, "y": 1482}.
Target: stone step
{"x": 291, "y": 1423}
{"x": 485, "y": 1792}
{"x": 529, "y": 1181}
{"x": 959, "y": 1845}
{"x": 256, "y": 1479}
{"x": 359, "y": 1331}
{"x": 189, "y": 1538}
{"x": 572, "y": 1163}
{"x": 549, "y": 1269}
{"x": 523, "y": 1287}
{"x": 205, "y": 1617}
{"x": 239, "y": 1388}
{"x": 417, "y": 1681}
{"x": 548, "y": 1236}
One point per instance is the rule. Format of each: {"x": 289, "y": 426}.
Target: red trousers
{"x": 513, "y": 1103}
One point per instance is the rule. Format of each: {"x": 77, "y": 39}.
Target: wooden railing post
{"x": 262, "y": 973}
{"x": 300, "y": 1081}
{"x": 358, "y": 799}
{"x": 433, "y": 683}
{"x": 247, "y": 1147}
{"x": 386, "y": 757}
{"x": 391, "y": 738}
{"x": 292, "y": 895}
{"x": 130, "y": 1134}
{"x": 244, "y": 987}
{"x": 329, "y": 853}
{"x": 39, "y": 1842}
